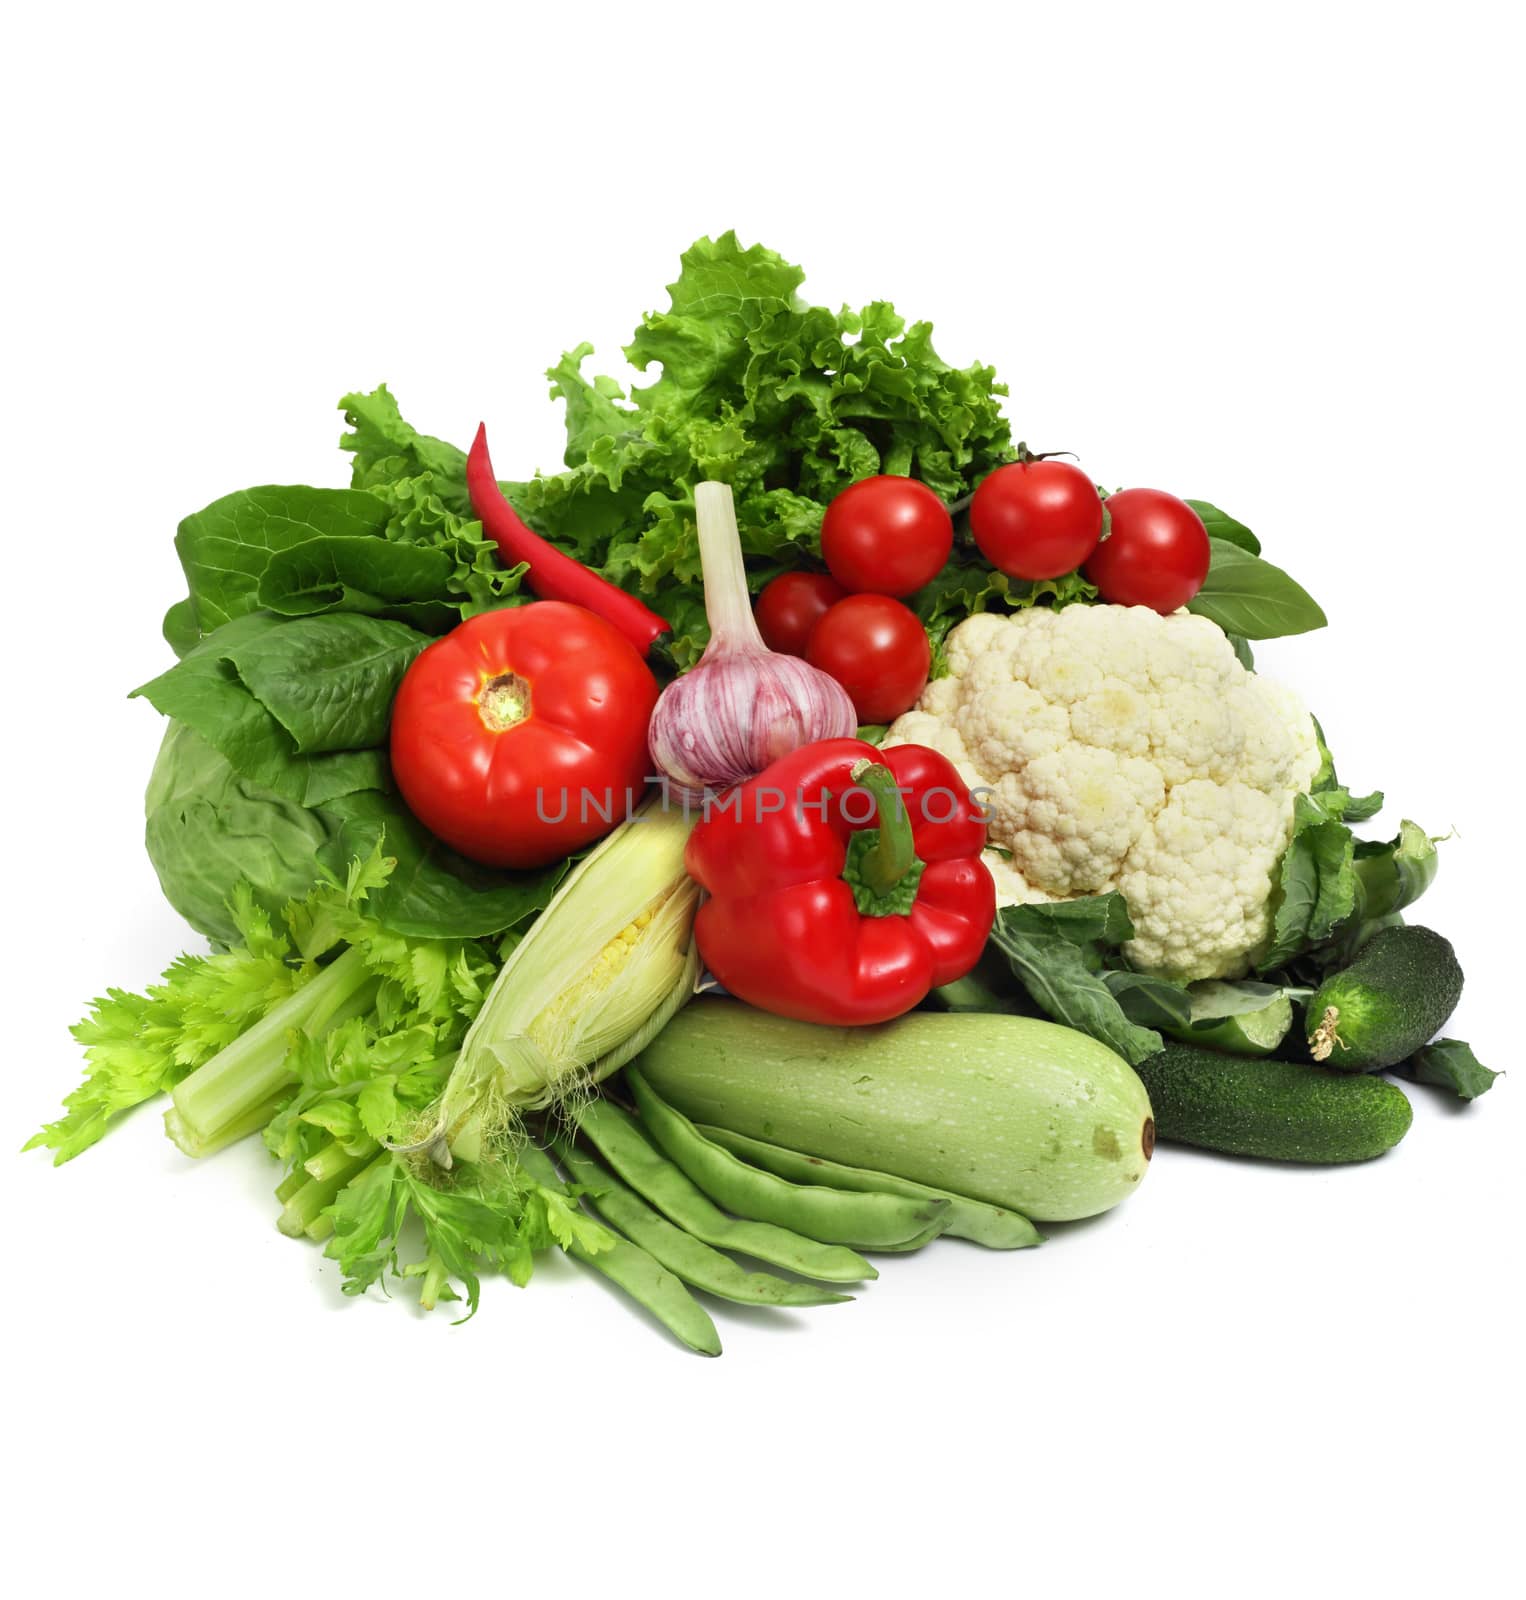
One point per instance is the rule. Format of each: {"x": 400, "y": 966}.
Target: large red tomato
{"x": 886, "y": 535}
{"x": 1156, "y": 555}
{"x": 1036, "y": 519}
{"x": 521, "y": 735}
{"x": 877, "y": 650}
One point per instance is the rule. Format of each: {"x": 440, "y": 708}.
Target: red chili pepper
{"x": 844, "y": 882}
{"x": 553, "y": 574}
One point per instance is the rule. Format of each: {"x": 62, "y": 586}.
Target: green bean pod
{"x": 928, "y": 1234}
{"x": 989, "y": 1225}
{"x": 696, "y": 1263}
{"x": 630, "y": 1268}
{"x": 862, "y": 1218}
{"x": 619, "y": 1139}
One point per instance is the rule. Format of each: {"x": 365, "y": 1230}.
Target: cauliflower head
{"x": 1127, "y": 750}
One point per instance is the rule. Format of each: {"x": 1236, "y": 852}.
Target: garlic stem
{"x": 741, "y": 706}
{"x": 727, "y": 602}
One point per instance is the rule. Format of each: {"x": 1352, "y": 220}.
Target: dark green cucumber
{"x": 1394, "y": 998}
{"x": 1280, "y": 1110}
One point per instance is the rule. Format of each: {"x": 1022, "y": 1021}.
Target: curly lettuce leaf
{"x": 787, "y": 402}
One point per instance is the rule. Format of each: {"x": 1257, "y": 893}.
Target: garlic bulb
{"x": 741, "y": 706}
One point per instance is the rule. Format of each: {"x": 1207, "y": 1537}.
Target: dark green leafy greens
{"x": 1221, "y": 525}
{"x": 1057, "y": 951}
{"x": 1316, "y": 898}
{"x": 1450, "y": 1064}
{"x": 276, "y": 756}
{"x": 433, "y": 893}
{"x": 297, "y": 706}
{"x": 1249, "y": 597}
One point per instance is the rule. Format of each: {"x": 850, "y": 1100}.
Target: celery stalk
{"x": 302, "y": 1210}
{"x": 228, "y": 1089}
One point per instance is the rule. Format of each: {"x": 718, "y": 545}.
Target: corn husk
{"x": 600, "y": 972}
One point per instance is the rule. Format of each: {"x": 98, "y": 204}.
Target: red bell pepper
{"x": 553, "y": 574}
{"x": 844, "y": 882}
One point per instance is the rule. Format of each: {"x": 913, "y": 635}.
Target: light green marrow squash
{"x": 1023, "y": 1114}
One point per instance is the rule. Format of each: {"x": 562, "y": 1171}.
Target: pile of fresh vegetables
{"x": 809, "y": 824}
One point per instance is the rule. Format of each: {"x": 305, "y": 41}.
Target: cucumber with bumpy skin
{"x": 1394, "y": 998}
{"x": 1280, "y": 1110}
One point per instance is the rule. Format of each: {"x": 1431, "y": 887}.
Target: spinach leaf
{"x": 329, "y": 681}
{"x": 226, "y": 547}
{"x": 1221, "y": 525}
{"x": 180, "y": 628}
{"x": 204, "y": 694}
{"x": 1250, "y": 597}
{"x": 1449, "y": 1064}
{"x": 433, "y": 893}
{"x": 1055, "y": 952}
{"x": 406, "y": 581}
{"x": 296, "y": 707}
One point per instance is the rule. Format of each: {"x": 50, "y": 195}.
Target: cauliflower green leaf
{"x": 1056, "y": 951}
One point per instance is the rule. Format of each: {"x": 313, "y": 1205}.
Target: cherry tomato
{"x": 791, "y": 606}
{"x": 1156, "y": 552}
{"x": 521, "y": 735}
{"x": 886, "y": 535}
{"x": 1036, "y": 519}
{"x": 877, "y": 650}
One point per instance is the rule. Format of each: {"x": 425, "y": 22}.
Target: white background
{"x": 1265, "y": 255}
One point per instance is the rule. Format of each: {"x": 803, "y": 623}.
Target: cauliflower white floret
{"x": 1120, "y": 749}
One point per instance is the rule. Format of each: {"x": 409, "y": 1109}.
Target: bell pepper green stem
{"x": 893, "y": 855}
